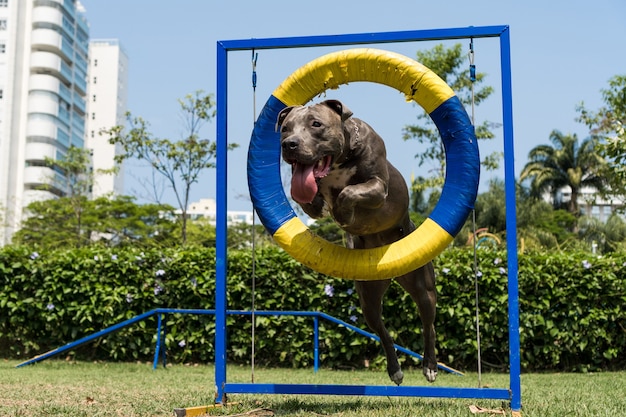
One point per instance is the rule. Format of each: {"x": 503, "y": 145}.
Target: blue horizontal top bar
{"x": 369, "y": 390}
{"x": 365, "y": 38}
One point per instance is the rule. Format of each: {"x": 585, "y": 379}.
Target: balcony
{"x": 36, "y": 175}
{"x": 42, "y": 102}
{"x": 42, "y": 127}
{"x": 47, "y": 40}
{"x": 37, "y": 151}
{"x": 46, "y": 15}
{"x": 49, "y": 63}
{"x": 45, "y": 82}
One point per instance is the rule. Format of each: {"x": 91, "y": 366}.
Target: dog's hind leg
{"x": 371, "y": 296}
{"x": 420, "y": 284}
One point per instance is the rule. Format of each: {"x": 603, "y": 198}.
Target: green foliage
{"x": 450, "y": 64}
{"x": 329, "y": 230}
{"x": 180, "y": 162}
{"x": 105, "y": 221}
{"x": 608, "y": 125}
{"x": 567, "y": 163}
{"x": 571, "y": 307}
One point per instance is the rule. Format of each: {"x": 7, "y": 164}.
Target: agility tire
{"x": 417, "y": 83}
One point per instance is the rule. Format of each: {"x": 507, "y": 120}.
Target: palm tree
{"x": 566, "y": 164}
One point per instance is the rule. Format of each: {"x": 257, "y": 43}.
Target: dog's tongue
{"x": 303, "y": 185}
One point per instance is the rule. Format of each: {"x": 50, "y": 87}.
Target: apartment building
{"x": 106, "y": 107}
{"x": 45, "y": 100}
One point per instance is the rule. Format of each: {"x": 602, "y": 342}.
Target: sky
{"x": 562, "y": 53}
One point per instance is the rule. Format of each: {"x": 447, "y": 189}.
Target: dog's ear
{"x": 339, "y": 108}
{"x": 282, "y": 115}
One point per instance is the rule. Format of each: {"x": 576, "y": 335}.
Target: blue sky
{"x": 563, "y": 53}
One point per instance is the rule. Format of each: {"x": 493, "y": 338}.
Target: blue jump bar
{"x": 363, "y": 38}
{"x": 369, "y": 390}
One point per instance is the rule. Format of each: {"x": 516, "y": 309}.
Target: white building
{"x": 43, "y": 85}
{"x": 591, "y": 204}
{"x": 106, "y": 107}
{"x": 205, "y": 208}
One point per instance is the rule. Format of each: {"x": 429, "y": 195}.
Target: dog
{"x": 340, "y": 168}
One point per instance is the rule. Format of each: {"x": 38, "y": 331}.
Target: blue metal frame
{"x": 513, "y": 393}
{"x": 159, "y": 351}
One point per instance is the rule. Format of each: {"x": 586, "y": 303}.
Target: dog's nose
{"x": 290, "y": 144}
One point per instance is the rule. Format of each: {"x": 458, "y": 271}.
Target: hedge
{"x": 571, "y": 315}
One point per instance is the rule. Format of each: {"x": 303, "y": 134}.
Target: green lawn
{"x": 58, "y": 388}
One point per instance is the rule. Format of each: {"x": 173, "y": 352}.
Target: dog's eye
{"x": 316, "y": 124}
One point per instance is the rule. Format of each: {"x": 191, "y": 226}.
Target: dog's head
{"x": 312, "y": 138}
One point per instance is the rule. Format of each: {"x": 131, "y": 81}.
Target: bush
{"x": 571, "y": 315}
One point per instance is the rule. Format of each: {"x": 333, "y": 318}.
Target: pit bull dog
{"x": 339, "y": 167}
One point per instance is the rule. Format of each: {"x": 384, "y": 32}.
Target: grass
{"x": 58, "y": 388}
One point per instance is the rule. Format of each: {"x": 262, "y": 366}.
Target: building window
{"x": 94, "y": 98}
{"x": 93, "y": 135}
{"x": 3, "y": 48}
{"x": 595, "y": 212}
{"x": 3, "y": 24}
{"x": 93, "y": 116}
{"x": 95, "y": 80}
{"x": 95, "y": 62}
{"x": 1, "y": 93}
{"x": 4, "y": 3}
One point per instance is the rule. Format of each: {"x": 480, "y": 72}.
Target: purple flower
{"x": 445, "y": 270}
{"x": 351, "y": 309}
{"x": 497, "y": 261}
{"x": 160, "y": 273}
{"x": 329, "y": 290}
{"x": 479, "y": 274}
{"x": 502, "y": 271}
{"x": 586, "y": 264}
{"x": 350, "y": 291}
{"x": 50, "y": 306}
{"x": 114, "y": 257}
{"x": 182, "y": 343}
{"x": 129, "y": 298}
{"x": 354, "y": 318}
{"x": 194, "y": 282}
{"x": 157, "y": 289}
{"x": 34, "y": 255}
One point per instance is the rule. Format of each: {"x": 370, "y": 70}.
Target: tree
{"x": 79, "y": 178}
{"x": 567, "y": 163}
{"x": 120, "y": 221}
{"x": 108, "y": 221}
{"x": 450, "y": 64}
{"x": 179, "y": 162}
{"x": 606, "y": 237}
{"x": 538, "y": 224}
{"x": 608, "y": 125}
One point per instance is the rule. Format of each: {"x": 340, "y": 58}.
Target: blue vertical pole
{"x": 220, "y": 224}
{"x": 511, "y": 223}
{"x": 316, "y": 343}
{"x": 157, "y": 349}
